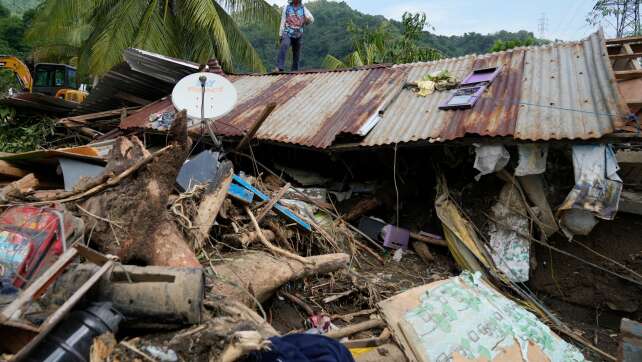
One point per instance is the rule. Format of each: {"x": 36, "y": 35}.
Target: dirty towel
{"x": 597, "y": 189}
{"x": 490, "y": 159}
{"x": 510, "y": 250}
{"x": 465, "y": 315}
{"x": 532, "y": 159}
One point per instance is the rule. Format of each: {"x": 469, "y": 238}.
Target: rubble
{"x": 370, "y": 253}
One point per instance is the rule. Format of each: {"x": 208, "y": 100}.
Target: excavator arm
{"x": 19, "y": 68}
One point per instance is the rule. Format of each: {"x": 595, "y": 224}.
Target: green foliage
{"x": 19, "y": 7}
{"x": 12, "y": 31}
{"x": 329, "y": 35}
{"x": 94, "y": 33}
{"x": 501, "y": 45}
{"x": 621, "y": 16}
{"x": 380, "y": 46}
{"x": 21, "y": 133}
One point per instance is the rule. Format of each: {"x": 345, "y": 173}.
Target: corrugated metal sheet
{"x": 559, "y": 91}
{"x": 143, "y": 75}
{"x": 312, "y": 108}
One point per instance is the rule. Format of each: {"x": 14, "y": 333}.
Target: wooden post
{"x": 252, "y": 132}
{"x": 272, "y": 202}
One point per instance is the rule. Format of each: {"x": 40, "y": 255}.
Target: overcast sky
{"x": 566, "y": 18}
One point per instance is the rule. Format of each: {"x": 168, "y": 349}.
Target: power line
{"x": 542, "y": 26}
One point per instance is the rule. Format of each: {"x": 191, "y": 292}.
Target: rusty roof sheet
{"x": 558, "y": 91}
{"x": 312, "y": 108}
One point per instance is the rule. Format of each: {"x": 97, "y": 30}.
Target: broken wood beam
{"x": 625, "y": 56}
{"x": 427, "y": 239}
{"x": 251, "y": 276}
{"x": 355, "y": 328}
{"x": 20, "y": 187}
{"x": 627, "y": 40}
{"x": 628, "y": 74}
{"x": 211, "y": 202}
{"x": 255, "y": 127}
{"x": 424, "y": 253}
{"x": 361, "y": 208}
{"x": 7, "y": 169}
{"x": 272, "y": 202}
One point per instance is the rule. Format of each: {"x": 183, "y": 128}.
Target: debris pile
{"x": 168, "y": 238}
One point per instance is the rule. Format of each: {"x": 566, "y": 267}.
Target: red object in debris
{"x": 30, "y": 238}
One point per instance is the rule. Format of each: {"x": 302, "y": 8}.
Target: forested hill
{"x": 19, "y": 6}
{"x": 328, "y": 35}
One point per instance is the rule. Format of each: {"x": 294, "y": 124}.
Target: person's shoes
{"x": 277, "y": 70}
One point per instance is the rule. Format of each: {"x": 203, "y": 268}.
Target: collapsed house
{"x": 462, "y": 209}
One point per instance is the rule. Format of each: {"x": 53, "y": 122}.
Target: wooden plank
{"x": 625, "y": 55}
{"x": 259, "y": 122}
{"x": 273, "y": 202}
{"x": 7, "y": 169}
{"x": 628, "y": 74}
{"x": 39, "y": 286}
{"x": 633, "y": 103}
{"x": 64, "y": 309}
{"x": 212, "y": 201}
{"x": 241, "y": 194}
{"x": 282, "y": 209}
{"x": 632, "y": 61}
{"x": 620, "y": 41}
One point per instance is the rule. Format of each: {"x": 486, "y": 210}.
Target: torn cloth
{"x": 303, "y": 348}
{"x": 490, "y": 159}
{"x": 532, "y": 159}
{"x": 597, "y": 185}
{"x": 509, "y": 249}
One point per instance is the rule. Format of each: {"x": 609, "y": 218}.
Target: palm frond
{"x": 242, "y": 49}
{"x": 332, "y": 63}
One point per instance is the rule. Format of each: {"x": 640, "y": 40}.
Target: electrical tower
{"x": 623, "y": 15}
{"x": 542, "y": 26}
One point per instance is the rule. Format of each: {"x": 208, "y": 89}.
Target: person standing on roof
{"x": 294, "y": 18}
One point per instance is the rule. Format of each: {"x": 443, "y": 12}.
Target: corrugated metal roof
{"x": 312, "y": 108}
{"x": 143, "y": 75}
{"x": 558, "y": 91}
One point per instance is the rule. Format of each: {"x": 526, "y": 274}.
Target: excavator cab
{"x": 56, "y": 80}
{"x": 50, "y": 78}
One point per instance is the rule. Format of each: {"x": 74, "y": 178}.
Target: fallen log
{"x": 136, "y": 199}
{"x": 211, "y": 202}
{"x": 258, "y": 275}
{"x": 19, "y": 188}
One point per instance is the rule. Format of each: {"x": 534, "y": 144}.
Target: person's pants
{"x": 296, "y": 44}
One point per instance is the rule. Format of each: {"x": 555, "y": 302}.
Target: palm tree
{"x": 380, "y": 46}
{"x": 93, "y": 33}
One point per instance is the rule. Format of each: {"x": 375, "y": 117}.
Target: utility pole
{"x": 542, "y": 26}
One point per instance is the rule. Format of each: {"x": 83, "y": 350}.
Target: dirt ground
{"x": 588, "y": 299}
{"x": 370, "y": 283}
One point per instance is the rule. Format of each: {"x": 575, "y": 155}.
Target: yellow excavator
{"x": 56, "y": 80}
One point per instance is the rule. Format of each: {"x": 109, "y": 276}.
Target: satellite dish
{"x": 220, "y": 96}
